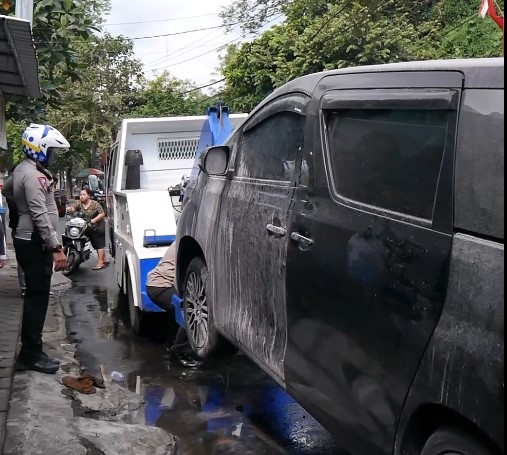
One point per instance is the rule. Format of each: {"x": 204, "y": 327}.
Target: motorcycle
{"x": 77, "y": 245}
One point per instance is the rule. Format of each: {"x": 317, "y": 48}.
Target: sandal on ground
{"x": 102, "y": 267}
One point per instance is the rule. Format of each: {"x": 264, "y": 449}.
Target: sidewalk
{"x": 11, "y": 306}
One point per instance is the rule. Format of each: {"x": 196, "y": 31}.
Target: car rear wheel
{"x": 449, "y": 441}
{"x": 204, "y": 338}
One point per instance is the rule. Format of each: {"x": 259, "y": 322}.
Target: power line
{"x": 178, "y": 52}
{"x": 138, "y": 38}
{"x": 212, "y": 50}
{"x": 334, "y": 16}
{"x": 162, "y": 20}
{"x": 198, "y": 56}
{"x": 204, "y": 86}
{"x": 186, "y": 32}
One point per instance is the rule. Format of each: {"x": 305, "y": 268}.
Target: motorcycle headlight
{"x": 74, "y": 232}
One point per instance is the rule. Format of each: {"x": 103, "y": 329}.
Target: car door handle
{"x": 277, "y": 230}
{"x": 304, "y": 242}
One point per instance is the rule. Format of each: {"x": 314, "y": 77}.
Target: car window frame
{"x": 294, "y": 103}
{"x": 442, "y": 218}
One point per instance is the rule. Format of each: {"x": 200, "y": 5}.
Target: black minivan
{"x": 349, "y": 238}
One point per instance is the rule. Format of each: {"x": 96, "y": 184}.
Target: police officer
{"x": 35, "y": 238}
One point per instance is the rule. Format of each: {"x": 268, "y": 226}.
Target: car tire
{"x": 450, "y": 441}
{"x": 135, "y": 314}
{"x": 203, "y": 336}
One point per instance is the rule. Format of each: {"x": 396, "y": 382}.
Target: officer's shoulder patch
{"x": 43, "y": 182}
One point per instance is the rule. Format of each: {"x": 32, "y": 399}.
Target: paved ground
{"x": 10, "y": 323}
{"x": 10, "y": 310}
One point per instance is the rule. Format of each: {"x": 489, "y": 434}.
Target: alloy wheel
{"x": 197, "y": 309}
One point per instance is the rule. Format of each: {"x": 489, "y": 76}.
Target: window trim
{"x": 113, "y": 161}
{"x": 298, "y": 106}
{"x": 437, "y": 221}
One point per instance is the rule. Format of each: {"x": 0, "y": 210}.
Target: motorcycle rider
{"x": 35, "y": 240}
{"x": 94, "y": 214}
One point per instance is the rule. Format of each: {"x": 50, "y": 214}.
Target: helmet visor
{"x": 51, "y": 154}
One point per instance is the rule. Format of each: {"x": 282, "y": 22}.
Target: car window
{"x": 388, "y": 158}
{"x": 268, "y": 151}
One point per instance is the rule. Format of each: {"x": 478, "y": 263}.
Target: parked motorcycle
{"x": 77, "y": 245}
{"x": 100, "y": 197}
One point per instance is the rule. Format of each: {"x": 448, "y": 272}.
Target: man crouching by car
{"x": 160, "y": 289}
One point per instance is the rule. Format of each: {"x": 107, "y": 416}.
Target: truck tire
{"x": 203, "y": 336}
{"x": 450, "y": 441}
{"x": 136, "y": 315}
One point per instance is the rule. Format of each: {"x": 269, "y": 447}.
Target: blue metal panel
{"x": 158, "y": 240}
{"x": 177, "y": 302}
{"x": 146, "y": 266}
{"x": 215, "y": 131}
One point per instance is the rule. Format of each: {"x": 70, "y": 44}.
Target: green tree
{"x": 59, "y": 26}
{"x": 320, "y": 35}
{"x": 316, "y": 36}
{"x": 90, "y": 109}
{"x": 167, "y": 95}
{"x": 252, "y": 14}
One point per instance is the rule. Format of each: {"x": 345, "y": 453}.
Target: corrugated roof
{"x": 19, "y": 73}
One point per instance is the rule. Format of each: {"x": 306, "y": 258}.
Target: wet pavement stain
{"x": 227, "y": 407}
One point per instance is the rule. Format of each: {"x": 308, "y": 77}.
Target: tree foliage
{"x": 59, "y": 26}
{"x": 167, "y": 96}
{"x": 319, "y": 35}
{"x": 252, "y": 14}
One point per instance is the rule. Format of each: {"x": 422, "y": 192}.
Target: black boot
{"x": 41, "y": 365}
{"x": 40, "y": 358}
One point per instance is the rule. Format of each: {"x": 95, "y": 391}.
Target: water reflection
{"x": 229, "y": 407}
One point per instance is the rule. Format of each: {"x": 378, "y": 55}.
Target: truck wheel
{"x": 204, "y": 338}
{"x": 112, "y": 248}
{"x": 449, "y": 441}
{"x": 136, "y": 315}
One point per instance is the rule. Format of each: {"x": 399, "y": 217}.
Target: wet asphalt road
{"x": 228, "y": 407}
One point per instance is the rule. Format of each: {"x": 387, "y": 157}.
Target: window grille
{"x": 177, "y": 149}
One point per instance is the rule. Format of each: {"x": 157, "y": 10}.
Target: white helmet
{"x": 42, "y": 142}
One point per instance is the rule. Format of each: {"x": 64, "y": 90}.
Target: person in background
{"x": 36, "y": 243}
{"x": 13, "y": 223}
{"x": 3, "y": 255}
{"x": 94, "y": 214}
{"x": 160, "y": 289}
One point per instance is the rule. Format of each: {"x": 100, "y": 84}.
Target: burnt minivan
{"x": 349, "y": 238}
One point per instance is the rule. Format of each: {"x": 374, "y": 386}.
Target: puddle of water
{"x": 229, "y": 407}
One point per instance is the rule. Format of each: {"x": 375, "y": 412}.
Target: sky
{"x": 158, "y": 17}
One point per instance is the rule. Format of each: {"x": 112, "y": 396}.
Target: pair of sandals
{"x": 102, "y": 267}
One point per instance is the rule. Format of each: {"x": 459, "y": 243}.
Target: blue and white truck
{"x": 150, "y": 158}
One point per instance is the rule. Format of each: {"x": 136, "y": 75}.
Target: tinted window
{"x": 480, "y": 164}
{"x": 388, "y": 158}
{"x": 268, "y": 151}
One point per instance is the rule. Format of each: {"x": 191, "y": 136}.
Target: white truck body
{"x": 140, "y": 211}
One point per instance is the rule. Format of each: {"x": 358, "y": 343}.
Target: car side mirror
{"x": 215, "y": 160}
